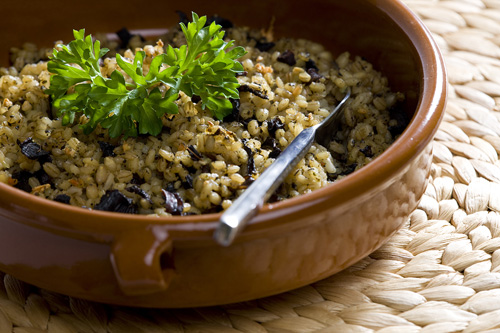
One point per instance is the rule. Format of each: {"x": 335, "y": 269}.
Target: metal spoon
{"x": 235, "y": 218}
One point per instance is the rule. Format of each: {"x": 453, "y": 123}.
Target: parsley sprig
{"x": 205, "y": 66}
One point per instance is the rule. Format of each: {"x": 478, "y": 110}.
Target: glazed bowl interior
{"x": 383, "y": 32}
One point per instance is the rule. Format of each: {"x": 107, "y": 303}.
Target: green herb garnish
{"x": 206, "y": 67}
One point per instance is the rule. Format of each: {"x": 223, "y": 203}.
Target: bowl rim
{"x": 417, "y": 135}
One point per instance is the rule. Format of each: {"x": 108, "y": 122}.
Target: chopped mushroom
{"x": 33, "y": 151}
{"x": 273, "y": 125}
{"x": 115, "y": 201}
{"x": 250, "y": 163}
{"x": 173, "y": 202}
{"x": 287, "y": 57}
{"x": 247, "y": 88}
{"x": 137, "y": 190}
{"x": 107, "y": 149}
{"x": 63, "y": 198}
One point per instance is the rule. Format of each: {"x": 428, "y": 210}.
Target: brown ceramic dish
{"x": 145, "y": 261}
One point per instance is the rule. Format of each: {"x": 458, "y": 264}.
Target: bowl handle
{"x": 136, "y": 257}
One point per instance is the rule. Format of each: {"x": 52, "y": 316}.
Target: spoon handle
{"x": 234, "y": 219}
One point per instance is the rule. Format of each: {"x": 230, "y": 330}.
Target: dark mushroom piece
{"x": 173, "y": 202}
{"x": 115, "y": 201}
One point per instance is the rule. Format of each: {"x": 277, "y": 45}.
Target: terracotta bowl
{"x": 174, "y": 262}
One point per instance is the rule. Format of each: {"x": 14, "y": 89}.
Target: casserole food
{"x": 197, "y": 163}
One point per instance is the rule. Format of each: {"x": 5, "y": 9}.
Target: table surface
{"x": 439, "y": 273}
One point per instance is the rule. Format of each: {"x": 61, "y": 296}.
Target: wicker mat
{"x": 440, "y": 273}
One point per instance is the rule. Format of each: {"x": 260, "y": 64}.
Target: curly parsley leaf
{"x": 205, "y": 66}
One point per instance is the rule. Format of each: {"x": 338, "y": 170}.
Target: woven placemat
{"x": 439, "y": 273}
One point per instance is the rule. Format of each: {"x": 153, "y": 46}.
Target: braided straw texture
{"x": 440, "y": 273}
